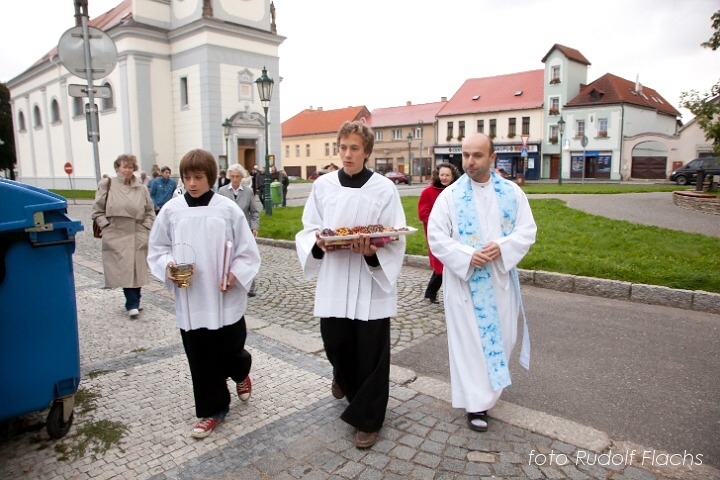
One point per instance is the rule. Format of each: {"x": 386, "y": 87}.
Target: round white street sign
{"x": 103, "y": 52}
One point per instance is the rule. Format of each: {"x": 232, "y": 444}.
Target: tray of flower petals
{"x": 380, "y": 235}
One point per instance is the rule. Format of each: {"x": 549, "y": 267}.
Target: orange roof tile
{"x": 611, "y": 89}
{"x": 570, "y": 53}
{"x": 497, "y": 94}
{"x": 313, "y": 122}
{"x": 406, "y": 115}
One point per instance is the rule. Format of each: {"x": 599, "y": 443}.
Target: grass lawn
{"x": 573, "y": 242}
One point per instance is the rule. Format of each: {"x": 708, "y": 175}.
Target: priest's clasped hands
{"x": 487, "y": 253}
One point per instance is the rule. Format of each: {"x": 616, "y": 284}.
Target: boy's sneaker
{"x": 244, "y": 389}
{"x": 204, "y": 427}
{"x": 133, "y": 313}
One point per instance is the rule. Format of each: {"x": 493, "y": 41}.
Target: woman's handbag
{"x": 97, "y": 231}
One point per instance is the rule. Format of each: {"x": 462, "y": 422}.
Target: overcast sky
{"x": 384, "y": 53}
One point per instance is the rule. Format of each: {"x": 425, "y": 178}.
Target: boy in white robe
{"x": 480, "y": 228}
{"x": 196, "y": 228}
{"x": 356, "y": 288}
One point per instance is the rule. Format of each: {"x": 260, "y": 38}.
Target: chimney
{"x": 443, "y": 99}
{"x": 320, "y": 109}
{"x": 408, "y": 103}
{"x": 638, "y": 85}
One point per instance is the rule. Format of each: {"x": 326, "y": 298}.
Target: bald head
{"x": 478, "y": 156}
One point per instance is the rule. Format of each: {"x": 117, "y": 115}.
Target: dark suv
{"x": 688, "y": 172}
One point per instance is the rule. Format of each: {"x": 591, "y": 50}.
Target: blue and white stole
{"x": 480, "y": 282}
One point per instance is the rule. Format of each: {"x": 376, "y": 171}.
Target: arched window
{"x": 37, "y": 118}
{"x": 78, "y": 109}
{"x": 54, "y": 111}
{"x": 21, "y": 121}
{"x": 108, "y": 103}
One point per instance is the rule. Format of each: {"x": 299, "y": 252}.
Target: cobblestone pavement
{"x": 135, "y": 378}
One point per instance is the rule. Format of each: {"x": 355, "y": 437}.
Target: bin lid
{"x": 20, "y": 203}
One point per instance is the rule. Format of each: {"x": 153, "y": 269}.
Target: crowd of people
{"x": 478, "y": 226}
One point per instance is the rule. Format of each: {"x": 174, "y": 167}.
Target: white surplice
{"x": 184, "y": 234}
{"x": 346, "y": 286}
{"x": 470, "y": 383}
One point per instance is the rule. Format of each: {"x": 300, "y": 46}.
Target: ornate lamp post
{"x": 226, "y": 130}
{"x": 410, "y": 139}
{"x": 561, "y": 129}
{"x": 265, "y": 87}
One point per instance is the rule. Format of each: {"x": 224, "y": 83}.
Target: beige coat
{"x": 126, "y": 222}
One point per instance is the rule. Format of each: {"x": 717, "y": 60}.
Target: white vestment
{"x": 182, "y": 234}
{"x": 470, "y": 383}
{"x": 347, "y": 287}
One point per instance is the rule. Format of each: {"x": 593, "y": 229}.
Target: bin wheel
{"x": 56, "y": 427}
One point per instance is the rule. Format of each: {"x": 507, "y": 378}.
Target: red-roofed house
{"x": 309, "y": 139}
{"x": 505, "y": 107}
{"x": 613, "y": 128}
{"x": 184, "y": 67}
{"x": 402, "y": 133}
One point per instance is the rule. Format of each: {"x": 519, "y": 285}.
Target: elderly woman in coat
{"x": 124, "y": 210}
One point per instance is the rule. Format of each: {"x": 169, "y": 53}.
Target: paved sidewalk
{"x": 137, "y": 373}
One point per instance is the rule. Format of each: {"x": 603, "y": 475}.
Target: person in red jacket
{"x": 443, "y": 175}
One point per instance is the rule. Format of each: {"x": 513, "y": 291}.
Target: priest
{"x": 480, "y": 228}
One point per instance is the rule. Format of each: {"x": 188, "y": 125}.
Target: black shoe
{"x": 432, "y": 300}
{"x": 478, "y": 421}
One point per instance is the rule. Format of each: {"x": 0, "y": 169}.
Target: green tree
{"x": 7, "y": 138}
{"x": 706, "y": 106}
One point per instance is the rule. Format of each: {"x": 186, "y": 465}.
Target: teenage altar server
{"x": 480, "y": 228}
{"x": 356, "y": 288}
{"x": 196, "y": 228}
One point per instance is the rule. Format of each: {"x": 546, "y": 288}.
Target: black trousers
{"x": 215, "y": 355}
{"x": 359, "y": 352}
{"x": 433, "y": 286}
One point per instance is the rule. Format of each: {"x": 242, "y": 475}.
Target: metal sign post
{"x": 77, "y": 48}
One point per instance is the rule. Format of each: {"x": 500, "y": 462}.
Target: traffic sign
{"x": 524, "y": 152}
{"x": 524, "y": 137}
{"x": 68, "y": 168}
{"x": 75, "y": 90}
{"x": 103, "y": 52}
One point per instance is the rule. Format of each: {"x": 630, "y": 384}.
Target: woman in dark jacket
{"x": 443, "y": 175}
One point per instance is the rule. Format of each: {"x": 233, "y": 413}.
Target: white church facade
{"x": 184, "y": 68}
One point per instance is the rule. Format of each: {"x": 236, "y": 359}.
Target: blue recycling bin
{"x": 39, "y": 348}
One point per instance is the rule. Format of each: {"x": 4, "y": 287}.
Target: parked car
{"x": 688, "y": 172}
{"x": 316, "y": 175}
{"x": 398, "y": 177}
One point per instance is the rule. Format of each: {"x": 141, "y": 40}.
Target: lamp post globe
{"x": 561, "y": 129}
{"x": 265, "y": 88}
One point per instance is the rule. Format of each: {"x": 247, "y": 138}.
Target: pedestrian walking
{"x": 480, "y": 228}
{"x": 162, "y": 188}
{"x": 240, "y": 192}
{"x": 443, "y": 175}
{"x": 356, "y": 290}
{"x": 124, "y": 211}
{"x": 211, "y": 233}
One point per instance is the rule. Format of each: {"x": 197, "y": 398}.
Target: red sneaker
{"x": 204, "y": 427}
{"x": 244, "y": 389}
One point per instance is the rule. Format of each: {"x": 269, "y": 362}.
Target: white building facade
{"x": 184, "y": 67}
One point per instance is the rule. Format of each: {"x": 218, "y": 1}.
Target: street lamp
{"x": 265, "y": 87}
{"x": 420, "y": 150}
{"x": 410, "y": 139}
{"x": 561, "y": 129}
{"x": 226, "y": 130}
